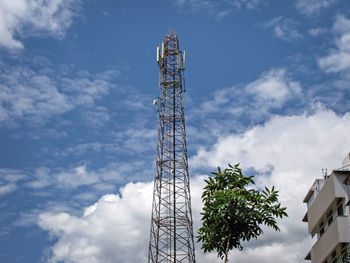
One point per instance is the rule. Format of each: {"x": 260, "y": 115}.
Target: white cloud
{"x": 96, "y": 117}
{"x": 313, "y": 7}
{"x": 83, "y": 178}
{"x": 341, "y": 25}
{"x": 136, "y": 139}
{"x": 21, "y": 18}
{"x": 284, "y": 28}
{"x": 249, "y": 4}
{"x": 9, "y": 180}
{"x": 82, "y": 148}
{"x": 40, "y": 94}
{"x": 218, "y": 9}
{"x": 285, "y": 151}
{"x": 137, "y": 102}
{"x": 87, "y": 89}
{"x": 277, "y": 252}
{"x": 114, "y": 228}
{"x": 280, "y": 140}
{"x": 26, "y": 93}
{"x": 338, "y": 59}
{"x": 273, "y": 87}
{"x": 317, "y": 31}
{"x": 76, "y": 177}
{"x": 336, "y": 62}
{"x": 8, "y": 188}
{"x": 288, "y": 150}
{"x": 254, "y": 101}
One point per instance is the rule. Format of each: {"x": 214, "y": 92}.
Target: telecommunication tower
{"x": 171, "y": 237}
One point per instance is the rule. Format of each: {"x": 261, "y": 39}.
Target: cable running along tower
{"x": 171, "y": 237}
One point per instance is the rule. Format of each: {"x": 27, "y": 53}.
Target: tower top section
{"x": 171, "y": 32}
{"x": 169, "y": 54}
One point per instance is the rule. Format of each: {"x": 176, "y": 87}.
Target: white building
{"x": 327, "y": 214}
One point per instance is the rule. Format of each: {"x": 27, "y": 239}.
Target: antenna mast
{"x": 171, "y": 237}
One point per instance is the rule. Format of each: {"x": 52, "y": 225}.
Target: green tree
{"x": 233, "y": 212}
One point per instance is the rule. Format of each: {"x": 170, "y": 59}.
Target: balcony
{"x": 337, "y": 232}
{"x": 331, "y": 190}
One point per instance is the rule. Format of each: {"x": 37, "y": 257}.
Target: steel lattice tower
{"x": 171, "y": 238}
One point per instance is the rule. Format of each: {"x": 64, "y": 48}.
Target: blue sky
{"x": 267, "y": 85}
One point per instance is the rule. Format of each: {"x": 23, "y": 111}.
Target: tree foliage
{"x": 234, "y": 213}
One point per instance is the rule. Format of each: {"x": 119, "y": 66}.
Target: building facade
{"x": 328, "y": 214}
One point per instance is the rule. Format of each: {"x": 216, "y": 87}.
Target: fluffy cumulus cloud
{"x": 300, "y": 145}
{"x": 39, "y": 94}
{"x": 313, "y": 7}
{"x": 274, "y": 87}
{"x": 284, "y": 28}
{"x": 115, "y": 228}
{"x": 21, "y": 18}
{"x": 253, "y": 102}
{"x": 112, "y": 229}
{"x": 338, "y": 59}
{"x": 285, "y": 152}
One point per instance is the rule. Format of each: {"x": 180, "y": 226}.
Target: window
{"x": 321, "y": 231}
{"x": 334, "y": 256}
{"x": 330, "y": 217}
{"x": 311, "y": 199}
{"x": 340, "y": 207}
{"x": 321, "y": 228}
{"x": 344, "y": 247}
